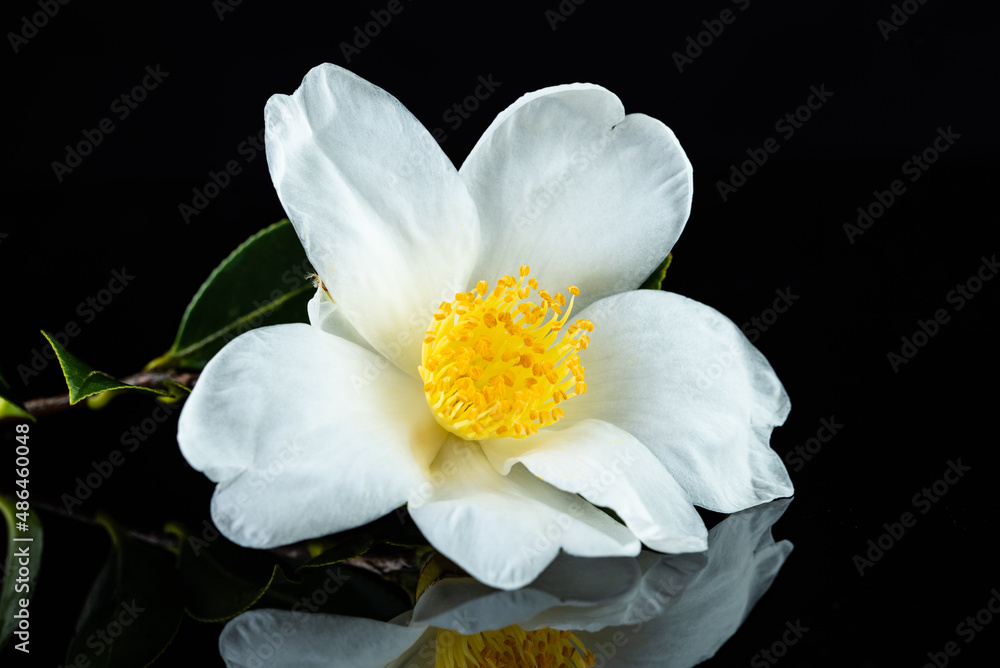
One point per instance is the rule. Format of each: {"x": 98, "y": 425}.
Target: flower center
{"x": 493, "y": 363}
{"x": 513, "y": 647}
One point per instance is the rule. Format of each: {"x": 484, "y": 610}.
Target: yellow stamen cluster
{"x": 512, "y": 647}
{"x": 494, "y": 365}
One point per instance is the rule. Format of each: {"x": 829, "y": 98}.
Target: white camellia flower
{"x": 653, "y": 611}
{"x": 437, "y": 373}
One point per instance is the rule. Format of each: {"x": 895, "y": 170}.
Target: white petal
{"x": 504, "y": 530}
{"x": 567, "y": 183}
{"x": 683, "y": 379}
{"x": 566, "y": 595}
{"x": 306, "y": 434}
{"x": 380, "y": 210}
{"x": 664, "y": 581}
{"x": 279, "y": 638}
{"x": 610, "y": 468}
{"x": 330, "y": 318}
{"x": 743, "y": 561}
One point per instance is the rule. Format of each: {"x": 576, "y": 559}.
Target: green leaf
{"x": 84, "y": 381}
{"x": 218, "y": 579}
{"x": 396, "y": 528}
{"x": 175, "y": 392}
{"x": 655, "y": 279}
{"x": 133, "y": 610}
{"x": 9, "y": 408}
{"x": 347, "y": 548}
{"x": 340, "y": 589}
{"x": 9, "y": 599}
{"x": 261, "y": 282}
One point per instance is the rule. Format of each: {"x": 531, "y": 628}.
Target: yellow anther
{"x": 483, "y": 381}
{"x": 524, "y": 270}
{"x": 575, "y": 291}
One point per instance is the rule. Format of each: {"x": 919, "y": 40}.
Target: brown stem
{"x": 45, "y": 406}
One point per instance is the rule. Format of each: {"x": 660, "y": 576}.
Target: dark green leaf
{"x": 219, "y": 579}
{"x": 396, "y": 528}
{"x": 351, "y": 546}
{"x": 655, "y": 279}
{"x": 10, "y": 599}
{"x": 264, "y": 281}
{"x": 133, "y": 610}
{"x": 84, "y": 381}
{"x": 340, "y": 589}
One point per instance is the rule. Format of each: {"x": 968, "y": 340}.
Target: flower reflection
{"x": 652, "y": 610}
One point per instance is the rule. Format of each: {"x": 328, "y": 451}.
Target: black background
{"x": 782, "y": 230}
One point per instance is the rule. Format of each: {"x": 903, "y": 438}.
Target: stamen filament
{"x": 493, "y": 363}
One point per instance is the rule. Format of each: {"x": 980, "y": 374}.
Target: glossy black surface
{"x": 895, "y": 468}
